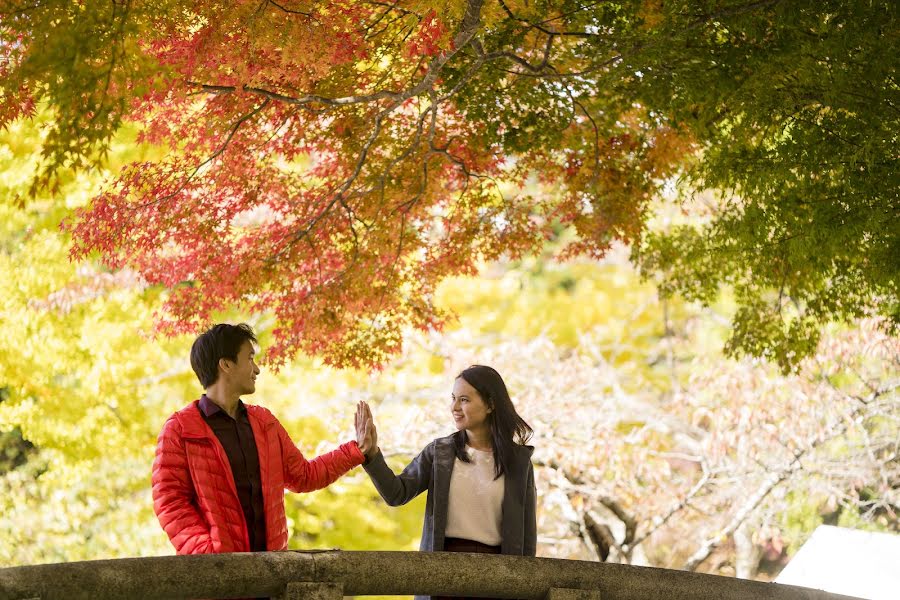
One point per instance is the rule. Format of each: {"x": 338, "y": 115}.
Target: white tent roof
{"x": 847, "y": 561}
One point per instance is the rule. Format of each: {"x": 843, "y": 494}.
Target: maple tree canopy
{"x": 332, "y": 162}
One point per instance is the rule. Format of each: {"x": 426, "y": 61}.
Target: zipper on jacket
{"x": 223, "y": 462}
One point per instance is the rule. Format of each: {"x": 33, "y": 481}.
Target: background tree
{"x": 651, "y": 447}
{"x": 649, "y": 442}
{"x": 348, "y": 158}
{"x": 85, "y": 387}
{"x": 656, "y": 450}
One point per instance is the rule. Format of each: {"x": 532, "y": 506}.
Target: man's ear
{"x": 224, "y": 365}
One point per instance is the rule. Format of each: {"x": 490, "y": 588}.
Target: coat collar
{"x": 445, "y": 454}
{"x": 194, "y": 426}
{"x": 192, "y": 423}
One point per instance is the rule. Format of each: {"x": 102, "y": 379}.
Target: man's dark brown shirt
{"x": 236, "y": 437}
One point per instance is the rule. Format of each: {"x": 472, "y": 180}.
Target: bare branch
{"x": 590, "y": 118}
{"x": 771, "y": 482}
{"x": 619, "y": 511}
{"x": 679, "y": 506}
{"x": 600, "y": 535}
{"x": 288, "y": 10}
{"x": 540, "y": 26}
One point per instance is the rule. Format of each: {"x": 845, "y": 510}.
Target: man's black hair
{"x": 219, "y": 341}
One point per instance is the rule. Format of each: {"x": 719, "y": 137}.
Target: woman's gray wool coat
{"x": 431, "y": 470}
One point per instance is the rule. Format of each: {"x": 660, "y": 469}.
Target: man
{"x": 222, "y": 466}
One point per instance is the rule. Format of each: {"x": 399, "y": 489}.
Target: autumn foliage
{"x": 330, "y": 163}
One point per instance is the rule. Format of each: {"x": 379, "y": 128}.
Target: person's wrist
{"x": 363, "y": 448}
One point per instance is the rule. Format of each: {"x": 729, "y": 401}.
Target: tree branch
{"x": 288, "y": 10}
{"x": 771, "y": 482}
{"x": 619, "y": 511}
{"x": 679, "y": 506}
{"x": 211, "y": 158}
{"x": 540, "y": 26}
{"x": 466, "y": 31}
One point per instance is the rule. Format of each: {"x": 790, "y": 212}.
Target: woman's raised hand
{"x": 366, "y": 434}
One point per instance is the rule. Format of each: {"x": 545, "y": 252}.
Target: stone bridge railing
{"x": 330, "y": 575}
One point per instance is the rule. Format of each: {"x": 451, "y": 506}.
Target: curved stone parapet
{"x": 294, "y": 574}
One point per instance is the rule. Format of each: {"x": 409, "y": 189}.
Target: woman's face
{"x": 467, "y": 407}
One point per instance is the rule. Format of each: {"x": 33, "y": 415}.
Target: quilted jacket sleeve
{"x": 400, "y": 489}
{"x": 301, "y": 475}
{"x": 174, "y": 498}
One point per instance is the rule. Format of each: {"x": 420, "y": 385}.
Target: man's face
{"x": 242, "y": 373}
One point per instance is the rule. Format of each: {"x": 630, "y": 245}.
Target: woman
{"x": 480, "y": 480}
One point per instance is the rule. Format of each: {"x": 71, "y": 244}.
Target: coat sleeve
{"x": 415, "y": 478}
{"x": 301, "y": 475}
{"x": 530, "y": 538}
{"x": 174, "y": 497}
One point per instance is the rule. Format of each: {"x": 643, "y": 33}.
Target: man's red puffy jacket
{"x": 194, "y": 495}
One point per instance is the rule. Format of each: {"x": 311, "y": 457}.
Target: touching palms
{"x": 366, "y": 434}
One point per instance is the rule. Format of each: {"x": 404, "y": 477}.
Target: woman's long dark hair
{"x": 507, "y": 427}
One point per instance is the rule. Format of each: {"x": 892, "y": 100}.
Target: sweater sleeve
{"x": 415, "y": 478}
{"x": 174, "y": 497}
{"x": 301, "y": 475}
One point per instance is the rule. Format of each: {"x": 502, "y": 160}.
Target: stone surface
{"x": 304, "y": 590}
{"x": 246, "y": 575}
{"x": 570, "y": 594}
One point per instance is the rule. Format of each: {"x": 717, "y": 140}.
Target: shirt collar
{"x": 209, "y": 408}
